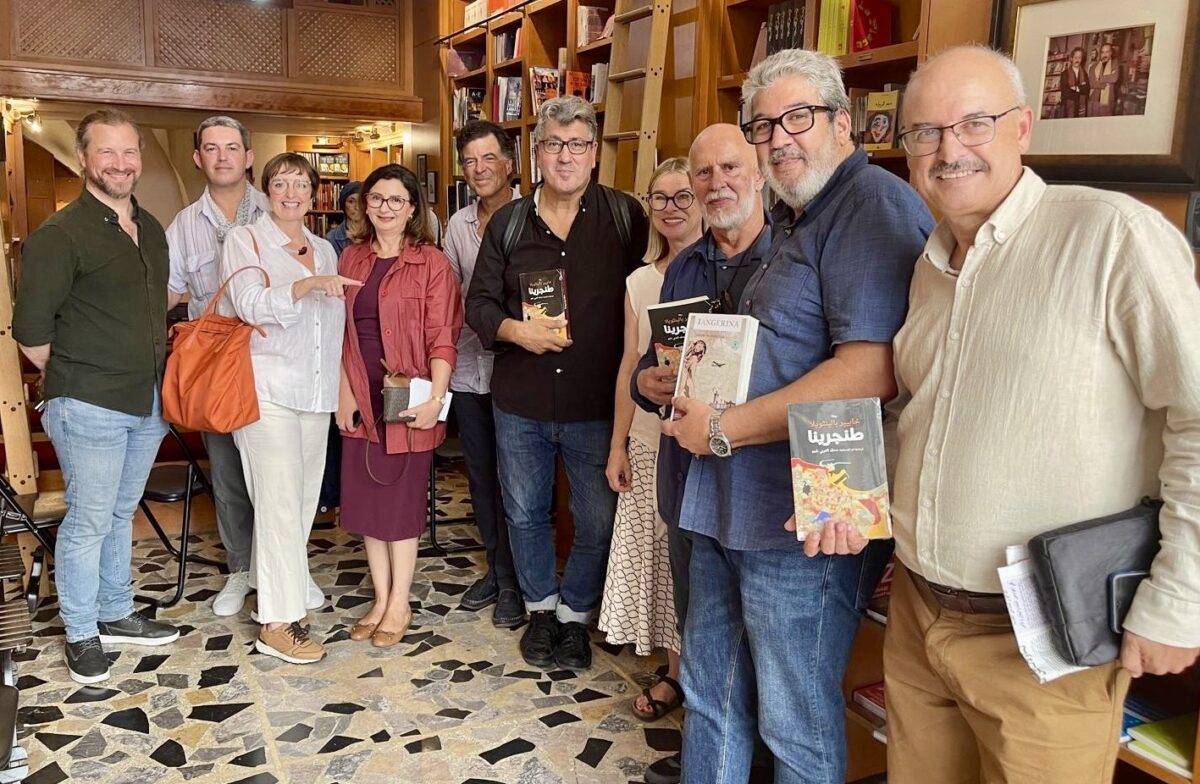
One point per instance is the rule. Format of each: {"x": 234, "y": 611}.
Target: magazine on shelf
{"x": 543, "y": 85}
{"x": 838, "y": 470}
{"x": 544, "y": 296}
{"x": 718, "y": 350}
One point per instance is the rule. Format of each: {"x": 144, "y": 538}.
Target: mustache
{"x": 957, "y": 167}
{"x": 787, "y": 153}
{"x": 723, "y": 193}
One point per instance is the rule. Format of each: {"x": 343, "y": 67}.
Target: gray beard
{"x": 799, "y": 194}
{"x": 730, "y": 221}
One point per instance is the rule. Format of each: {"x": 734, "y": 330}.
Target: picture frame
{"x": 1138, "y": 129}
{"x": 431, "y": 186}
{"x": 422, "y": 166}
{"x": 1193, "y": 220}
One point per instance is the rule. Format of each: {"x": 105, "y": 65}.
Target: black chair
{"x": 38, "y": 514}
{"x": 16, "y": 633}
{"x": 174, "y": 483}
{"x": 449, "y": 453}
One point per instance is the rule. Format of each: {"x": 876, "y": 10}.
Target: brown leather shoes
{"x": 362, "y": 631}
{"x": 386, "y": 639}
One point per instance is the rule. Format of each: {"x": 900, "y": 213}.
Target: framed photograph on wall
{"x": 431, "y": 187}
{"x": 422, "y": 167}
{"x": 1114, "y": 87}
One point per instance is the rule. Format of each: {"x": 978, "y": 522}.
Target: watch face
{"x": 719, "y": 446}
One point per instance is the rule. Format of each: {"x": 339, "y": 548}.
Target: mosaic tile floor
{"x": 452, "y": 703}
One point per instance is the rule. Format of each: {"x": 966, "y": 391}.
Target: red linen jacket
{"x": 420, "y": 315}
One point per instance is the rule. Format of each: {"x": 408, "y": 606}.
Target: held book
{"x": 838, "y": 469}
{"x": 718, "y": 350}
{"x": 544, "y": 296}
{"x": 668, "y": 327}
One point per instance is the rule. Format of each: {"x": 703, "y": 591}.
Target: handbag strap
{"x": 383, "y": 446}
{"x": 211, "y": 308}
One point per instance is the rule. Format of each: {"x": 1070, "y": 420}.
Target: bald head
{"x": 725, "y": 176}
{"x": 974, "y": 61}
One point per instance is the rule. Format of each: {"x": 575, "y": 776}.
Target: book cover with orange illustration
{"x": 544, "y": 296}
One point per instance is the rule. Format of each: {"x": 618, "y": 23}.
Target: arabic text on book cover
{"x": 838, "y": 469}
{"x": 668, "y": 328}
{"x": 544, "y": 296}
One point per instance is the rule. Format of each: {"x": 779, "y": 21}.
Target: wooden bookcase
{"x": 338, "y": 162}
{"x": 545, "y": 26}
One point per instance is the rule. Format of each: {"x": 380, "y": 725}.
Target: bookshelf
{"x": 541, "y": 28}
{"x": 919, "y": 28}
{"x": 337, "y": 162}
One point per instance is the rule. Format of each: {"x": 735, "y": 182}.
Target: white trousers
{"x": 283, "y": 456}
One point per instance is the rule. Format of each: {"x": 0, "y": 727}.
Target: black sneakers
{"x": 574, "y": 650}
{"x": 135, "y": 629}
{"x": 540, "y": 639}
{"x": 482, "y": 593}
{"x": 510, "y": 609}
{"x": 86, "y": 661}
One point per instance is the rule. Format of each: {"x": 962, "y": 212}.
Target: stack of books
{"x": 1170, "y": 743}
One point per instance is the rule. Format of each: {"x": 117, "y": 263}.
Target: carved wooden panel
{"x": 347, "y": 46}
{"x": 248, "y": 39}
{"x": 106, "y": 32}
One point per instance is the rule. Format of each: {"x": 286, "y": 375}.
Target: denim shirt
{"x": 837, "y": 273}
{"x": 692, "y": 274}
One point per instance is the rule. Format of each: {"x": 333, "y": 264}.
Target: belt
{"x": 963, "y": 601}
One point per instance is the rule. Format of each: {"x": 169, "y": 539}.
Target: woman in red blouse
{"x": 405, "y": 319}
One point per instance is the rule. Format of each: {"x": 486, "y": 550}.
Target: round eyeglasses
{"x": 971, "y": 132}
{"x": 682, "y": 199}
{"x": 298, "y": 186}
{"x": 793, "y": 121}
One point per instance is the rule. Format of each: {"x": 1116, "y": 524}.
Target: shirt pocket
{"x": 202, "y": 272}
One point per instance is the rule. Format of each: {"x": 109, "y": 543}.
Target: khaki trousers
{"x": 963, "y": 707}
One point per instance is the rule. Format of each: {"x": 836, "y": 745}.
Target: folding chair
{"x": 448, "y": 453}
{"x": 39, "y": 514}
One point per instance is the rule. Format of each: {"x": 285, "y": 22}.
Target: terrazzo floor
{"x": 452, "y": 703}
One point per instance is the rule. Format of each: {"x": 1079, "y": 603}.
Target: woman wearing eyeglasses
{"x": 405, "y": 321}
{"x": 638, "y": 607}
{"x": 296, "y": 360}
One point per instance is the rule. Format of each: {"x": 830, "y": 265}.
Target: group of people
{"x": 1038, "y": 346}
{"x": 1092, "y": 90}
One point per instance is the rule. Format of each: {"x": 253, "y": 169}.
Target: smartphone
{"x": 1122, "y": 586}
{"x": 356, "y": 420}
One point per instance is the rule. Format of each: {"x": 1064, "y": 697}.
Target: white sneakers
{"x": 231, "y": 598}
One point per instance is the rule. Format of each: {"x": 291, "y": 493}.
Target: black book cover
{"x": 544, "y": 296}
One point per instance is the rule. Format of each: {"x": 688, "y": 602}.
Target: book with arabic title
{"x": 838, "y": 469}
{"x": 544, "y": 296}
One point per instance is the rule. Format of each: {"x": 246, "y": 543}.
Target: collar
{"x": 88, "y": 200}
{"x": 473, "y": 207}
{"x": 758, "y": 250}
{"x": 269, "y": 232}
{"x": 210, "y": 210}
{"x": 1000, "y": 226}
{"x": 781, "y": 213}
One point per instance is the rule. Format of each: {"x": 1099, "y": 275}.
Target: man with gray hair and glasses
{"x": 553, "y": 395}
{"x": 771, "y": 619}
{"x": 196, "y": 237}
{"x": 1049, "y": 373}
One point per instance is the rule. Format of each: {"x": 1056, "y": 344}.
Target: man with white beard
{"x": 91, "y": 314}
{"x": 772, "y": 619}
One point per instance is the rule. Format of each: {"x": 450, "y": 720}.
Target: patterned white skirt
{"x": 638, "y": 605}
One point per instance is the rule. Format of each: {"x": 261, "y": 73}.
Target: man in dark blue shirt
{"x": 725, "y": 175}
{"x": 769, "y": 628}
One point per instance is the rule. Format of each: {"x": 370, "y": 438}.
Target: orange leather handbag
{"x": 209, "y": 381}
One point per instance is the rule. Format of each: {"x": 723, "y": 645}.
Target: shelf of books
{"x": 334, "y": 161}
{"x": 877, "y": 42}
{"x": 503, "y": 58}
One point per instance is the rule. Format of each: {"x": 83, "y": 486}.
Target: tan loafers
{"x": 386, "y": 639}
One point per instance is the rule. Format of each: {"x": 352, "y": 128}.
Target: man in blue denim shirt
{"x": 725, "y": 175}
{"x": 769, "y": 628}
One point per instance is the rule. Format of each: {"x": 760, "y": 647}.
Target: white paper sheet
{"x": 1034, "y": 637}
{"x": 420, "y": 390}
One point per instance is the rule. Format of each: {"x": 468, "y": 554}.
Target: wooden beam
{"x": 14, "y": 417}
{"x": 193, "y": 92}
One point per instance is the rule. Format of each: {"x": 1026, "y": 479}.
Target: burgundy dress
{"x": 394, "y": 507}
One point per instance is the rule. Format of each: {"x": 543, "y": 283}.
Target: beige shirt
{"x": 1055, "y": 379}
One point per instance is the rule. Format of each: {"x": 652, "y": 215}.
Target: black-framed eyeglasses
{"x": 575, "y": 146}
{"x": 394, "y": 203}
{"x": 794, "y": 121}
{"x": 970, "y": 132}
{"x": 682, "y": 199}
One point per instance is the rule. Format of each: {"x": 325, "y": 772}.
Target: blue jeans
{"x": 106, "y": 457}
{"x": 526, "y": 449}
{"x": 765, "y": 648}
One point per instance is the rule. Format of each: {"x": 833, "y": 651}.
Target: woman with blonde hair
{"x": 638, "y": 607}
{"x": 404, "y": 321}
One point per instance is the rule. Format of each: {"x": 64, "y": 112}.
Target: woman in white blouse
{"x": 296, "y": 371}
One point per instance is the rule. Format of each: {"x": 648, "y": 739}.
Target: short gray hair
{"x": 221, "y": 121}
{"x": 1001, "y": 60}
{"x": 564, "y": 111}
{"x": 821, "y": 70}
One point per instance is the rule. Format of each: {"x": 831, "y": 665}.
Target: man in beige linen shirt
{"x": 1051, "y": 366}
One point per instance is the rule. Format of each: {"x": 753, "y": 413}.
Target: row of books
{"x": 854, "y": 25}
{"x": 546, "y": 83}
{"x": 329, "y": 164}
{"x": 321, "y": 224}
{"x": 784, "y": 28}
{"x": 466, "y": 105}
{"x": 327, "y": 195}
{"x": 874, "y": 116}
{"x": 506, "y": 98}
{"x": 479, "y": 10}
{"x": 592, "y": 23}
{"x": 508, "y": 45}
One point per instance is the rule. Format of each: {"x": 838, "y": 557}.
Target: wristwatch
{"x": 718, "y": 444}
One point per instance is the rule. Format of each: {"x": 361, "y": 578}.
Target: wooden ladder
{"x": 620, "y": 74}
